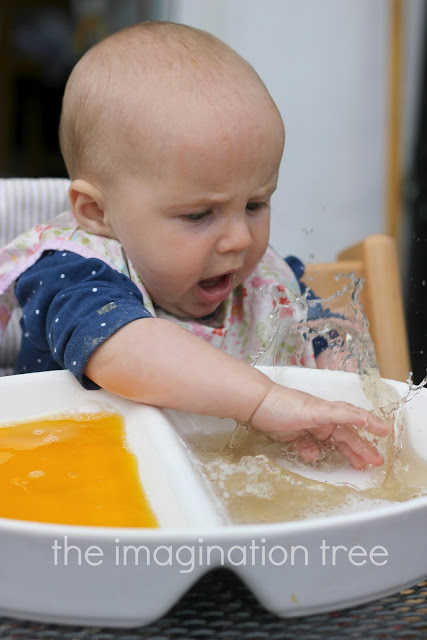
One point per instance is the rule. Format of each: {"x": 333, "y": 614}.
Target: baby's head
{"x": 173, "y": 145}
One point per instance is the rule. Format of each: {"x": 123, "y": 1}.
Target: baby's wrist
{"x": 265, "y": 390}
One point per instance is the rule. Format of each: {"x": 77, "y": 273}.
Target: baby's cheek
{"x": 252, "y": 262}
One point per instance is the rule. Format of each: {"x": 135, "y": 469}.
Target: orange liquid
{"x": 71, "y": 470}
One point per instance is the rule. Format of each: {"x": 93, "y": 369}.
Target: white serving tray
{"x": 89, "y": 584}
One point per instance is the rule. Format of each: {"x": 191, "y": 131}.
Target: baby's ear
{"x": 87, "y": 203}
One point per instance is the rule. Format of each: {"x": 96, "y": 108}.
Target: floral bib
{"x": 255, "y": 323}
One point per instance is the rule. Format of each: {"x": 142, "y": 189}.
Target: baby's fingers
{"x": 345, "y": 413}
{"x": 347, "y": 437}
{"x": 307, "y": 449}
{"x": 373, "y": 424}
{"x": 356, "y": 461}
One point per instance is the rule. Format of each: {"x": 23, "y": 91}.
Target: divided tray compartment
{"x": 95, "y": 587}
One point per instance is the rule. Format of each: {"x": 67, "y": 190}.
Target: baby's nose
{"x": 236, "y": 236}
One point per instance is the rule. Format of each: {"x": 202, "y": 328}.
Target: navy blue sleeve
{"x": 299, "y": 269}
{"x": 315, "y": 310}
{"x": 71, "y": 305}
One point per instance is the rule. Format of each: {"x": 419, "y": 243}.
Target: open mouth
{"x": 215, "y": 289}
{"x": 214, "y": 283}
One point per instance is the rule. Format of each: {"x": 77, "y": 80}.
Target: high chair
{"x": 375, "y": 259}
{"x": 25, "y": 202}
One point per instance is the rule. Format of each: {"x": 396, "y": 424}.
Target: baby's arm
{"x": 157, "y": 362}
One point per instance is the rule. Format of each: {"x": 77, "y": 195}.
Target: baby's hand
{"x": 293, "y": 415}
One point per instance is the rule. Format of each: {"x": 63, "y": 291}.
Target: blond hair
{"x": 114, "y": 77}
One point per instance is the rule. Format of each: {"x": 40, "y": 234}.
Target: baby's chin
{"x": 191, "y": 314}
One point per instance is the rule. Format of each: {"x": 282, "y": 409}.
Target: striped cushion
{"x": 25, "y": 202}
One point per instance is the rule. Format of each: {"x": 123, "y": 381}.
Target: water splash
{"x": 259, "y": 479}
{"x": 337, "y": 322}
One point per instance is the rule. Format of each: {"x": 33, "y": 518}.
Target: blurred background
{"x": 349, "y": 77}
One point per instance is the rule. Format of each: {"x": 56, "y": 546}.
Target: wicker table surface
{"x": 219, "y": 607}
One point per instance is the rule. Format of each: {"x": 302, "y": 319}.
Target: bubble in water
{"x": 51, "y": 438}
{"x": 36, "y": 474}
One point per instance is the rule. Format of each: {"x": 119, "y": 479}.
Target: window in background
{"x": 40, "y": 41}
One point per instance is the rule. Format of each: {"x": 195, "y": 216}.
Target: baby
{"x": 151, "y": 288}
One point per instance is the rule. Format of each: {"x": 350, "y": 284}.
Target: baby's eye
{"x": 195, "y": 217}
{"x": 254, "y": 206}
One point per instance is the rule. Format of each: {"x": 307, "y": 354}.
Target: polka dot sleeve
{"x": 70, "y": 306}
